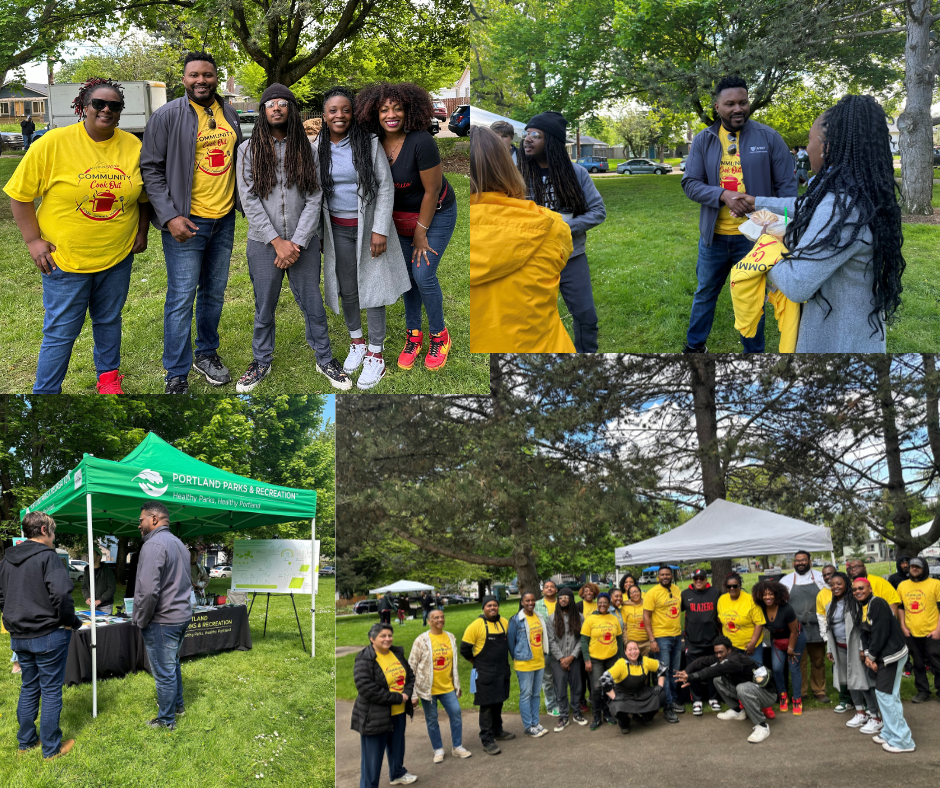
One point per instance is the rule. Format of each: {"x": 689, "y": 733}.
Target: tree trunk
{"x": 120, "y": 562}
{"x": 523, "y": 559}
{"x": 481, "y": 588}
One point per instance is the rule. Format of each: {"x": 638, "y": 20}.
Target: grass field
{"x": 21, "y": 315}
{"x": 266, "y": 711}
{"x": 643, "y": 274}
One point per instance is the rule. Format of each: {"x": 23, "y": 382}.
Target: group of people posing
{"x": 369, "y": 191}
{"x": 635, "y": 653}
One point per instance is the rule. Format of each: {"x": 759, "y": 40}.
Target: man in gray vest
{"x": 804, "y": 584}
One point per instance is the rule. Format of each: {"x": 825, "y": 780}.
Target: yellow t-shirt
{"x": 395, "y": 676}
{"x": 920, "y": 602}
{"x": 634, "y": 624}
{"x": 90, "y": 193}
{"x": 442, "y": 659}
{"x": 603, "y": 632}
{"x": 664, "y": 605}
{"x": 621, "y": 669}
{"x": 588, "y": 607}
{"x": 476, "y": 632}
{"x": 213, "y": 176}
{"x": 884, "y": 589}
{"x": 739, "y": 618}
{"x": 535, "y": 643}
{"x": 550, "y": 606}
{"x": 731, "y": 178}
{"x": 823, "y": 598}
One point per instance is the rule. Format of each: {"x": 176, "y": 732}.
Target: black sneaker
{"x": 579, "y": 718}
{"x": 920, "y": 697}
{"x": 492, "y": 748}
{"x": 178, "y": 385}
{"x": 336, "y": 375}
{"x": 678, "y": 708}
{"x": 505, "y": 736}
{"x": 158, "y": 723}
{"x": 624, "y": 731}
{"x": 670, "y": 714}
{"x": 215, "y": 372}
{"x": 690, "y": 349}
{"x": 180, "y": 711}
{"x": 255, "y": 373}
{"x": 596, "y": 723}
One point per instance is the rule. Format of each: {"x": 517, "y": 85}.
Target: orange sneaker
{"x": 438, "y": 348}
{"x": 110, "y": 382}
{"x": 409, "y": 355}
{"x": 797, "y": 706}
{"x": 783, "y": 702}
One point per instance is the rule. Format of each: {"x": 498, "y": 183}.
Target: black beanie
{"x": 486, "y": 599}
{"x": 551, "y": 122}
{"x": 277, "y": 91}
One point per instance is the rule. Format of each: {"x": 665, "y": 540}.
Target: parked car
{"x": 936, "y": 157}
{"x": 934, "y": 570}
{"x": 12, "y": 140}
{"x": 513, "y": 588}
{"x": 246, "y": 122}
{"x": 435, "y": 127}
{"x": 682, "y": 163}
{"x": 642, "y": 166}
{"x": 594, "y": 163}
{"x": 366, "y": 606}
{"x": 220, "y": 571}
{"x": 440, "y": 110}
{"x": 455, "y": 599}
{"x": 327, "y": 570}
{"x": 76, "y": 570}
{"x": 460, "y": 121}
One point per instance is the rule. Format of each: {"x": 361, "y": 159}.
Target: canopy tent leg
{"x": 94, "y": 640}
{"x": 313, "y": 590}
{"x": 268, "y": 602}
{"x": 294, "y": 603}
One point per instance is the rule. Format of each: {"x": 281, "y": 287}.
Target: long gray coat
{"x": 382, "y": 279}
{"x": 858, "y": 678}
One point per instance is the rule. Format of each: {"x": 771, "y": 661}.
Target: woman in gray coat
{"x": 360, "y": 267}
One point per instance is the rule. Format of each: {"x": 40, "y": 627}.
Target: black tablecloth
{"x": 121, "y": 647}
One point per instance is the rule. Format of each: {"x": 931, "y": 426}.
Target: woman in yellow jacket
{"x": 517, "y": 252}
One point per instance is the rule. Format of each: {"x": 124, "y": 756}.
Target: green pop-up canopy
{"x": 102, "y": 497}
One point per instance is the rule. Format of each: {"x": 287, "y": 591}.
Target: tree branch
{"x": 459, "y": 555}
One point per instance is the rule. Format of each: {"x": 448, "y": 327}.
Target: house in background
{"x": 590, "y": 146}
{"x": 455, "y": 95}
{"x": 876, "y": 550}
{"x": 18, "y": 102}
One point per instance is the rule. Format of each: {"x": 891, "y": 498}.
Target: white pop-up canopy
{"x": 481, "y": 117}
{"x": 728, "y": 530}
{"x": 933, "y": 551}
{"x": 402, "y": 587}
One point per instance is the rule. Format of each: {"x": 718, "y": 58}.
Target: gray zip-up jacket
{"x": 168, "y": 158}
{"x": 286, "y": 212}
{"x": 766, "y": 164}
{"x": 570, "y": 644}
{"x": 163, "y": 581}
{"x": 596, "y": 212}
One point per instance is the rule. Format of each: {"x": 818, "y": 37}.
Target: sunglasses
{"x": 100, "y": 104}
{"x": 732, "y": 148}
{"x": 732, "y": 585}
{"x": 280, "y": 103}
{"x": 211, "y": 117}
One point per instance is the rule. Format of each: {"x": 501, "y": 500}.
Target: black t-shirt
{"x": 780, "y": 626}
{"x": 418, "y": 152}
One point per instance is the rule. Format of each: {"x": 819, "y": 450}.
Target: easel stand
{"x": 266, "y": 604}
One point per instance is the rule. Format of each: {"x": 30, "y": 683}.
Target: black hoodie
{"x": 900, "y": 576}
{"x": 35, "y": 591}
{"x": 701, "y": 615}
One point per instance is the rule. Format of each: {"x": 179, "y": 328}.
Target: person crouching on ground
{"x": 564, "y": 641}
{"x": 528, "y": 646}
{"x": 634, "y": 685}
{"x": 384, "y": 686}
{"x": 741, "y": 684}
{"x": 433, "y": 659}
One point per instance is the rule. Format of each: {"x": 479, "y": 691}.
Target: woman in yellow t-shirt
{"x": 634, "y": 626}
{"x": 634, "y": 686}
{"x": 91, "y": 223}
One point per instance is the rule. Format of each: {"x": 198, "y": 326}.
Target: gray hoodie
{"x": 596, "y": 211}
{"x": 163, "y": 581}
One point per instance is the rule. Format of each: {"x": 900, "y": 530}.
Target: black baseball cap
{"x": 700, "y": 573}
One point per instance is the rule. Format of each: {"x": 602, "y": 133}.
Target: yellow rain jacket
{"x": 749, "y": 288}
{"x": 517, "y": 251}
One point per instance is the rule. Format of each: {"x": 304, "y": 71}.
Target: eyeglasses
{"x": 732, "y": 148}
{"x": 211, "y": 117}
{"x": 280, "y": 103}
{"x": 100, "y": 104}
{"x": 532, "y": 135}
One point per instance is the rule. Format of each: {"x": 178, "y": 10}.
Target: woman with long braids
{"x": 845, "y": 239}
{"x": 425, "y": 207}
{"x": 280, "y": 193}
{"x": 359, "y": 265}
{"x": 554, "y": 182}
{"x": 91, "y": 223}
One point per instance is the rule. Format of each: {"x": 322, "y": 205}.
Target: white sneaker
{"x": 731, "y": 714}
{"x": 858, "y": 720}
{"x": 697, "y": 709}
{"x": 406, "y": 779}
{"x": 888, "y": 748}
{"x": 373, "y": 370}
{"x": 715, "y": 704}
{"x": 877, "y": 740}
{"x": 539, "y": 731}
{"x": 438, "y": 756}
{"x": 759, "y": 733}
{"x": 873, "y": 726}
{"x": 357, "y": 352}
{"x": 460, "y": 752}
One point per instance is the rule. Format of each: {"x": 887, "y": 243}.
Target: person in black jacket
{"x": 105, "y": 586}
{"x": 385, "y": 683}
{"x": 27, "y": 127}
{"x": 385, "y": 607}
{"x": 700, "y": 604}
{"x": 427, "y": 605}
{"x": 38, "y": 611}
{"x": 903, "y": 566}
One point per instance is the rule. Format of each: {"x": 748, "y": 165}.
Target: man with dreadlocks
{"x": 279, "y": 189}
{"x": 554, "y": 182}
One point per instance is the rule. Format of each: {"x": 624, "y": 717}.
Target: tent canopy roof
{"x": 727, "y": 530}
{"x": 402, "y": 587}
{"x": 201, "y": 499}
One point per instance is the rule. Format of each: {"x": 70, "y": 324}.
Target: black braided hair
{"x": 85, "y": 92}
{"x": 858, "y": 171}
{"x": 361, "y": 142}
{"x": 561, "y": 175}
{"x": 830, "y": 614}
{"x": 299, "y": 166}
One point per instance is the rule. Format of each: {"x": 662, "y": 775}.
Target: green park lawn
{"x": 266, "y": 711}
{"x": 21, "y": 316}
{"x": 643, "y": 259}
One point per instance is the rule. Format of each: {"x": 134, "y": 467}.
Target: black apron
{"x": 492, "y": 666}
{"x": 803, "y": 600}
{"x": 636, "y": 695}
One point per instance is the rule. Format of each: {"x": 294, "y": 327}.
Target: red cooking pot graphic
{"x": 673, "y": 611}
{"x": 608, "y": 636}
{"x": 731, "y": 626}
{"x": 915, "y": 605}
{"x": 730, "y": 183}
{"x": 400, "y": 681}
{"x": 102, "y": 203}
{"x": 641, "y": 624}
{"x": 440, "y": 662}
{"x": 537, "y": 638}
{"x": 217, "y": 159}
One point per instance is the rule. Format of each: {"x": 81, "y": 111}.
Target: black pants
{"x": 385, "y": 616}
{"x": 925, "y": 651}
{"x": 598, "y": 698}
{"x": 563, "y": 680}
{"x": 575, "y": 286}
{"x": 491, "y": 722}
{"x": 623, "y": 718}
{"x": 702, "y": 691}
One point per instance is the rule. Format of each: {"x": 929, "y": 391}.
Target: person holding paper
{"x": 105, "y": 586}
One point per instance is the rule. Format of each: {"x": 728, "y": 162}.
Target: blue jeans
{"x": 896, "y": 731}
{"x": 758, "y": 655}
{"x": 670, "y": 657}
{"x": 425, "y": 289}
{"x": 714, "y": 264}
{"x": 42, "y": 661}
{"x": 530, "y": 696}
{"x": 781, "y": 661}
{"x": 163, "y": 643}
{"x": 452, "y": 707}
{"x": 196, "y": 271}
{"x": 373, "y": 748}
{"x": 65, "y": 298}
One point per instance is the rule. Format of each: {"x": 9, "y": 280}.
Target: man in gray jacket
{"x": 732, "y": 159}
{"x": 162, "y": 608}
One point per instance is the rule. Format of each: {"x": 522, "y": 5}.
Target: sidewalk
{"x": 816, "y": 749}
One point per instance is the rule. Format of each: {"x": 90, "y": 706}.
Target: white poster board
{"x": 276, "y": 566}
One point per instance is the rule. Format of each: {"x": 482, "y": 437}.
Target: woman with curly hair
{"x": 425, "y": 207}
{"x": 845, "y": 235}
{"x": 91, "y": 223}
{"x": 360, "y": 267}
{"x": 788, "y": 641}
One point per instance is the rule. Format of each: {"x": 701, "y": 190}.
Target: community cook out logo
{"x": 395, "y": 676}
{"x": 102, "y": 192}
{"x": 214, "y": 160}
{"x": 914, "y": 602}
{"x": 149, "y": 482}
{"x": 440, "y": 657}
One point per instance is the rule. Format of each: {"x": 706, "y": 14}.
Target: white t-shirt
{"x": 811, "y": 576}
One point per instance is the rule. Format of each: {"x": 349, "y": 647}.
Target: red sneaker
{"x": 110, "y": 382}
{"x": 769, "y": 713}
{"x": 438, "y": 348}
{"x": 783, "y": 702}
{"x": 797, "y": 706}
{"x": 409, "y": 355}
